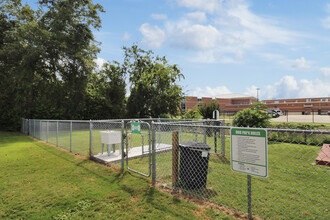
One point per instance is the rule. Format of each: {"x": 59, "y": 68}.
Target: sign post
{"x": 249, "y": 155}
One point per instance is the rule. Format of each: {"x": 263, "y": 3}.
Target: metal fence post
{"x": 205, "y": 131}
{"x": 249, "y": 196}
{"x": 153, "y": 153}
{"x": 180, "y": 137}
{"x": 57, "y": 133}
{"x": 215, "y": 138}
{"x": 40, "y": 130}
{"x": 34, "y": 128}
{"x": 47, "y": 131}
{"x": 223, "y": 139}
{"x": 90, "y": 138}
{"x": 122, "y": 145}
{"x": 70, "y": 136}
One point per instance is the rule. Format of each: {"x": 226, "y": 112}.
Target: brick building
{"x": 301, "y": 106}
{"x": 232, "y": 103}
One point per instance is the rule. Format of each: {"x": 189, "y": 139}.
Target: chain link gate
{"x": 138, "y": 147}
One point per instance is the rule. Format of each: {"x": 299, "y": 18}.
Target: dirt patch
{"x": 203, "y": 203}
{"x": 134, "y": 200}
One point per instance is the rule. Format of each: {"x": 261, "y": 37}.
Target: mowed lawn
{"x": 42, "y": 182}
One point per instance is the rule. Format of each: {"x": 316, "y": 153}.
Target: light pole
{"x": 258, "y": 94}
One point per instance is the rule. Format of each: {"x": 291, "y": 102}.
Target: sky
{"x": 228, "y": 46}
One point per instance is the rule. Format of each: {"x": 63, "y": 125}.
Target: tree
{"x": 206, "y": 109}
{"x": 153, "y": 84}
{"x": 46, "y": 57}
{"x": 259, "y": 106}
{"x": 106, "y": 93}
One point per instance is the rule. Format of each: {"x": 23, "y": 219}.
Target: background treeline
{"x": 47, "y": 68}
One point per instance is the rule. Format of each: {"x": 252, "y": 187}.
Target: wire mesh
{"x": 138, "y": 147}
{"x": 193, "y": 157}
{"x": 295, "y": 189}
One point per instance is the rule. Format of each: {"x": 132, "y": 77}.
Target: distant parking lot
{"x": 303, "y": 118}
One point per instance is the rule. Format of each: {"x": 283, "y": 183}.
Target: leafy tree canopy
{"x": 46, "y": 57}
{"x": 153, "y": 84}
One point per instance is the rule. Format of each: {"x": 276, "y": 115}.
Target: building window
{"x": 276, "y": 102}
{"x": 309, "y": 100}
{"x": 324, "y": 100}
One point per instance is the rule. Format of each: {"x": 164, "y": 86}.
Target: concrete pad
{"x": 132, "y": 153}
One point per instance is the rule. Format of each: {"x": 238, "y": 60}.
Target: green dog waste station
{"x": 194, "y": 159}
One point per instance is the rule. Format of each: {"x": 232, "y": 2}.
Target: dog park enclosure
{"x": 296, "y": 188}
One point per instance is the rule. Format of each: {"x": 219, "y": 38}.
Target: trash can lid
{"x": 195, "y": 145}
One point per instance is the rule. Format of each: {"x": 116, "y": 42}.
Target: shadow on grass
{"x": 80, "y": 163}
{"x": 13, "y": 137}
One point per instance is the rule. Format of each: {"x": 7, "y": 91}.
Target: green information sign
{"x": 136, "y": 127}
{"x": 249, "y": 151}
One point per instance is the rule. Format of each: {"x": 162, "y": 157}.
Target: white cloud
{"x": 198, "y": 16}
{"x": 126, "y": 37}
{"x": 153, "y": 36}
{"x": 252, "y": 91}
{"x": 300, "y": 63}
{"x": 159, "y": 16}
{"x": 209, "y": 6}
{"x": 326, "y": 21}
{"x": 222, "y": 37}
{"x": 214, "y": 56}
{"x": 196, "y": 36}
{"x": 99, "y": 63}
{"x": 210, "y": 92}
{"x": 289, "y": 87}
{"x": 253, "y": 29}
{"x": 325, "y": 71}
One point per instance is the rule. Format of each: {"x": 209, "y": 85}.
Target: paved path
{"x": 303, "y": 118}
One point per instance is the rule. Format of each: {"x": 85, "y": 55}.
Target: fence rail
{"x": 296, "y": 188}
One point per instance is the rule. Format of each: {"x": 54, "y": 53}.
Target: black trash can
{"x": 194, "y": 162}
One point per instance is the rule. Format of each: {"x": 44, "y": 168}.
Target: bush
{"x": 192, "y": 114}
{"x": 164, "y": 115}
{"x": 206, "y": 109}
{"x": 251, "y": 118}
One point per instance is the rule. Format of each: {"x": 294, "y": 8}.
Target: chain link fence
{"x": 199, "y": 165}
{"x": 193, "y": 158}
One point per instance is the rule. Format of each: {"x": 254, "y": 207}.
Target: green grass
{"x": 41, "y": 182}
{"x": 295, "y": 187}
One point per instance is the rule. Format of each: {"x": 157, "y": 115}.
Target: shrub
{"x": 192, "y": 114}
{"x": 206, "y": 109}
{"x": 251, "y": 118}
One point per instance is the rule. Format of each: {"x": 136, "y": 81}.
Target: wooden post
{"x": 175, "y": 146}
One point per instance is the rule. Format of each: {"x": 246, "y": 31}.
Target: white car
{"x": 278, "y": 112}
